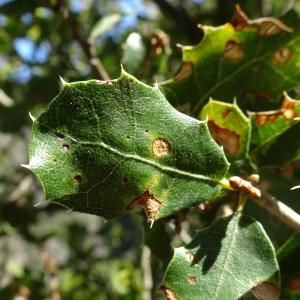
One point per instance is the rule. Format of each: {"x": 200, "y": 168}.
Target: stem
{"x": 275, "y": 207}
{"x": 241, "y": 202}
{"x": 85, "y": 44}
{"x": 279, "y": 210}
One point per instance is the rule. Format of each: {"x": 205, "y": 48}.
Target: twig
{"x": 85, "y": 44}
{"x": 275, "y": 207}
{"x": 279, "y": 210}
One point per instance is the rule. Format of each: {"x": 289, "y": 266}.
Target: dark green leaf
{"x": 106, "y": 147}
{"x": 224, "y": 261}
{"x": 254, "y": 61}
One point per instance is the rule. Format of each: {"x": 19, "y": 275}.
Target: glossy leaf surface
{"x": 253, "y": 61}
{"x": 107, "y": 147}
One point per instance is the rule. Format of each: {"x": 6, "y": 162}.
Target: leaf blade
{"x": 238, "y": 62}
{"x": 223, "y": 261}
{"x": 106, "y": 147}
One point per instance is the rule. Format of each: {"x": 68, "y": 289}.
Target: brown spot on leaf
{"x": 240, "y": 19}
{"x": 78, "y": 179}
{"x": 245, "y": 186}
{"x": 233, "y": 51}
{"x": 266, "y": 291}
{"x": 267, "y": 26}
{"x": 226, "y": 112}
{"x": 190, "y": 256}
{"x": 148, "y": 202}
{"x": 192, "y": 280}
{"x": 160, "y": 147}
{"x": 185, "y": 71}
{"x": 65, "y": 147}
{"x": 225, "y": 137}
{"x": 146, "y": 132}
{"x": 169, "y": 294}
{"x": 282, "y": 56}
{"x": 287, "y": 110}
{"x": 59, "y": 135}
{"x": 125, "y": 179}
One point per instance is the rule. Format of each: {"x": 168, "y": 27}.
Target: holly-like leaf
{"x": 252, "y": 60}
{"x": 224, "y": 261}
{"x": 229, "y": 127}
{"x": 107, "y": 147}
{"x": 273, "y": 131}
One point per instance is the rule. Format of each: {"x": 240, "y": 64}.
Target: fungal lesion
{"x": 124, "y": 180}
{"x": 234, "y": 51}
{"x": 288, "y": 111}
{"x": 160, "y": 148}
{"x": 282, "y": 56}
{"x": 266, "y": 26}
{"x": 79, "y": 179}
{"x": 168, "y": 293}
{"x": 65, "y": 147}
{"x": 185, "y": 71}
{"x": 150, "y": 204}
{"x": 192, "y": 280}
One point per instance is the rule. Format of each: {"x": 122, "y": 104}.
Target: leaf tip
{"x": 26, "y": 166}
{"x": 123, "y": 72}
{"x": 156, "y": 85}
{"x": 62, "y": 81}
{"x": 32, "y": 118}
{"x": 152, "y": 223}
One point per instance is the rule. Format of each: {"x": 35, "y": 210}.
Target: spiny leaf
{"x": 229, "y": 127}
{"x": 252, "y": 60}
{"x": 273, "y": 131}
{"x": 106, "y": 147}
{"x": 224, "y": 261}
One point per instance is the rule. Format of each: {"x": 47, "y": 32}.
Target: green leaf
{"x": 273, "y": 131}
{"x": 252, "y": 60}
{"x": 224, "y": 261}
{"x": 107, "y": 147}
{"x": 104, "y": 24}
{"x": 229, "y": 127}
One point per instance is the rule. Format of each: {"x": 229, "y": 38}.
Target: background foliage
{"x": 48, "y": 253}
